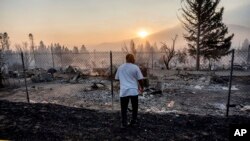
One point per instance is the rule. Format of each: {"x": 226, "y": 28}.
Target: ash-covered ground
{"x": 193, "y": 94}
{"x": 188, "y": 107}
{"x": 22, "y": 121}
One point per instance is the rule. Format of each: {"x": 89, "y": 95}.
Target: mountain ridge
{"x": 166, "y": 35}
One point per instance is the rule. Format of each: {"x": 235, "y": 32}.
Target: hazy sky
{"x": 76, "y": 22}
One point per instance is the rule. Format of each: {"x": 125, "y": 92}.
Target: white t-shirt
{"x": 128, "y": 74}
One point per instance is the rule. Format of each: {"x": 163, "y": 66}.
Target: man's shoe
{"x": 133, "y": 123}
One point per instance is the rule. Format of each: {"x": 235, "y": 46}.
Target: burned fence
{"x": 171, "y": 84}
{"x": 240, "y": 85}
{"x": 218, "y": 85}
{"x": 71, "y": 79}
{"x": 12, "y": 75}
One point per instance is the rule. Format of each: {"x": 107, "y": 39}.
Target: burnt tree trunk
{"x": 166, "y": 62}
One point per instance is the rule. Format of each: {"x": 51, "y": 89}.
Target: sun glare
{"x": 143, "y": 34}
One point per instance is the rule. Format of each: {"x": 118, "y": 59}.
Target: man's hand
{"x": 140, "y": 90}
{"x": 140, "y": 87}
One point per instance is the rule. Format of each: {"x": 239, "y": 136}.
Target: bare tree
{"x": 32, "y": 46}
{"x": 182, "y": 55}
{"x": 26, "y": 54}
{"x": 169, "y": 52}
{"x": 4, "y": 39}
{"x": 125, "y": 48}
{"x": 132, "y": 48}
{"x": 5, "y": 43}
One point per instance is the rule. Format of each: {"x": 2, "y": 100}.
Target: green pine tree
{"x": 206, "y": 33}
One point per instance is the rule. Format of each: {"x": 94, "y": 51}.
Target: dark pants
{"x": 124, "y": 108}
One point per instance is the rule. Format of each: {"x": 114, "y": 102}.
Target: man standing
{"x": 130, "y": 78}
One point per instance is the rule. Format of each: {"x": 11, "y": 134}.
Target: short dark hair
{"x": 130, "y": 58}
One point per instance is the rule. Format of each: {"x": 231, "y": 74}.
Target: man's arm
{"x": 140, "y": 79}
{"x": 141, "y": 85}
{"x": 117, "y": 75}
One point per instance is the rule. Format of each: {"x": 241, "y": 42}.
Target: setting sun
{"x": 143, "y": 34}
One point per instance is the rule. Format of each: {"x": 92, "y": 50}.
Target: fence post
{"x": 230, "y": 82}
{"x": 248, "y": 55}
{"x": 25, "y": 81}
{"x": 52, "y": 55}
{"x": 111, "y": 78}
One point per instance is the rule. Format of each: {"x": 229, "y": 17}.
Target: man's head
{"x": 130, "y": 58}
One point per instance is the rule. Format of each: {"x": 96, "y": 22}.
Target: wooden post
{"x": 111, "y": 79}
{"x": 230, "y": 83}
{"x": 25, "y": 81}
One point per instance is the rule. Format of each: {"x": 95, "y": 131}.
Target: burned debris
{"x": 86, "y": 82}
{"x": 98, "y": 85}
{"x": 40, "y": 75}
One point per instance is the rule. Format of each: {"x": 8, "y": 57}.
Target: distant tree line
{"x": 37, "y": 55}
{"x": 146, "y": 54}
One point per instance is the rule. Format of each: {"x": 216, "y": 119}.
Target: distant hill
{"x": 241, "y": 33}
{"x": 238, "y": 16}
{"x": 158, "y": 37}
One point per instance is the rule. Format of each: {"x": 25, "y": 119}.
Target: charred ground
{"x": 22, "y": 121}
{"x": 190, "y": 107}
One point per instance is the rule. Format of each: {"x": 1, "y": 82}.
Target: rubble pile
{"x": 40, "y": 75}
{"x": 69, "y": 74}
{"x": 193, "y": 82}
